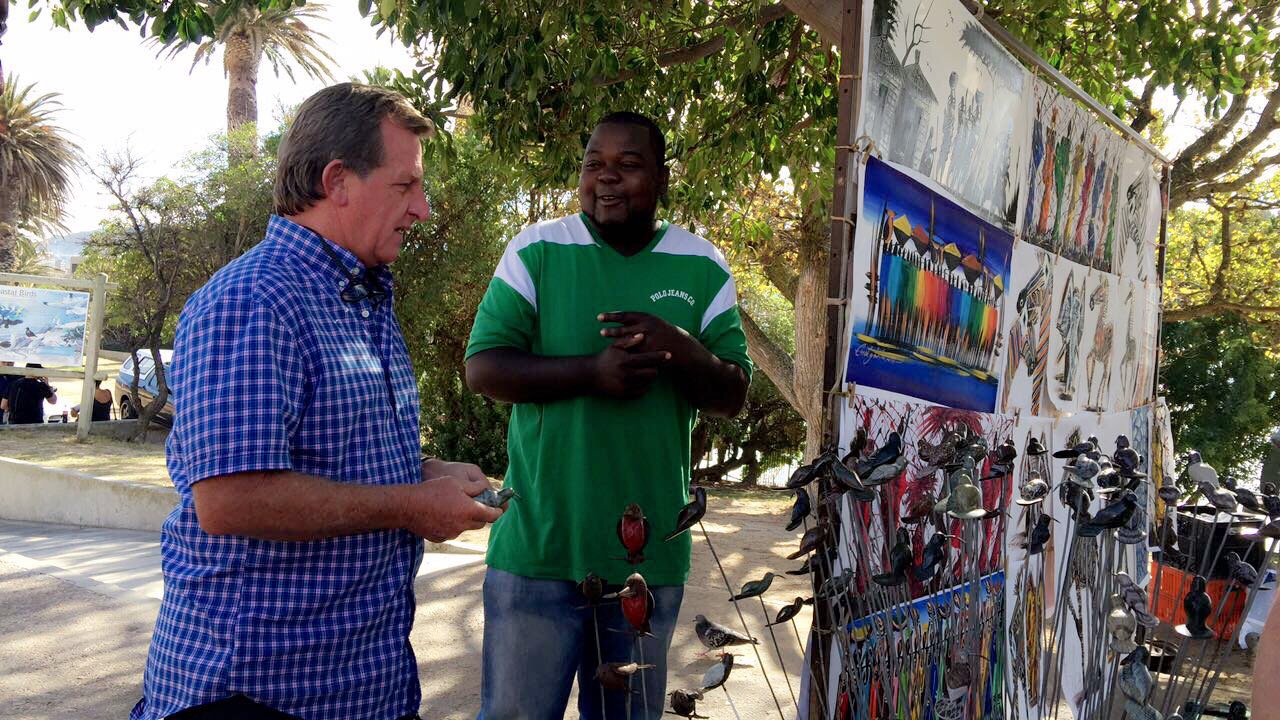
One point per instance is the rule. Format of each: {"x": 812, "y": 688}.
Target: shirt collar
{"x": 307, "y": 244}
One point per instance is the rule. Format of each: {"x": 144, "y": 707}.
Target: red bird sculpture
{"x": 633, "y": 531}
{"x": 637, "y": 603}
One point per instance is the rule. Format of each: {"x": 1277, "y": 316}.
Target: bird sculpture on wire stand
{"x": 684, "y": 703}
{"x": 1197, "y": 605}
{"x": 633, "y": 532}
{"x": 691, "y": 513}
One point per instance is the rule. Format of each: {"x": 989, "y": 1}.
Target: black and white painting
{"x": 944, "y": 99}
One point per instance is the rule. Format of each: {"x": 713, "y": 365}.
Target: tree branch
{"x": 1268, "y": 121}
{"x": 704, "y": 49}
{"x": 1214, "y": 308}
{"x": 1144, "y": 115}
{"x": 770, "y": 358}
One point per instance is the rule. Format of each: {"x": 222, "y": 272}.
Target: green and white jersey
{"x": 576, "y": 464}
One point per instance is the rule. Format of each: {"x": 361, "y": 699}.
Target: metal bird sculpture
{"x": 847, "y": 480}
{"x": 494, "y": 498}
{"x": 1170, "y": 494}
{"x": 1122, "y": 625}
{"x": 1248, "y": 500}
{"x": 592, "y": 588}
{"x": 1199, "y": 471}
{"x": 754, "y": 588}
{"x": 813, "y": 538}
{"x": 886, "y": 472}
{"x": 684, "y": 703}
{"x": 1240, "y": 571}
{"x": 718, "y": 673}
{"x": 1033, "y": 490}
{"x": 1135, "y": 597}
{"x": 636, "y": 602}
{"x": 1135, "y": 678}
{"x": 1082, "y": 471}
{"x": 690, "y": 514}
{"x": 801, "y": 509}
{"x": 1126, "y": 459}
{"x": 617, "y": 676}
{"x": 856, "y": 446}
{"x": 1082, "y": 448}
{"x": 1035, "y": 539}
{"x": 1114, "y": 515}
{"x": 887, "y": 453}
{"x": 714, "y": 636}
{"x": 1197, "y": 605}
{"x": 633, "y": 532}
{"x": 837, "y": 584}
{"x": 1219, "y": 497}
{"x": 1003, "y": 457}
{"x": 788, "y": 611}
{"x": 933, "y": 556}
{"x": 1143, "y": 711}
{"x": 900, "y": 558}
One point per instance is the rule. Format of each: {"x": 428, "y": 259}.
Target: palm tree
{"x": 247, "y": 34}
{"x": 36, "y": 165}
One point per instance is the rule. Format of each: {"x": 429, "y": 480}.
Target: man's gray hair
{"x": 341, "y": 122}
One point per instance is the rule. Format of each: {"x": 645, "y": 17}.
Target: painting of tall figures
{"x": 929, "y": 289}
{"x": 944, "y": 99}
{"x": 1073, "y": 189}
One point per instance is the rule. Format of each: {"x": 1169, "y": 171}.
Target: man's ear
{"x": 333, "y": 182}
{"x": 664, "y": 183}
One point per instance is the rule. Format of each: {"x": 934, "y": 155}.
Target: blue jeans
{"x": 539, "y": 633}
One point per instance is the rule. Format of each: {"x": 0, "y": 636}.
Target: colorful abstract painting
{"x": 1072, "y": 181}
{"x": 944, "y": 98}
{"x": 925, "y": 321}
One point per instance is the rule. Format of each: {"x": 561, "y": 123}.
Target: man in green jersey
{"x": 608, "y": 331}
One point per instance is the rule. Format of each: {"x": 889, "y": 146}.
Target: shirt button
{"x": 364, "y": 313}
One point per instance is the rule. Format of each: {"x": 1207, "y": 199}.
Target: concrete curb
{"x": 34, "y": 493}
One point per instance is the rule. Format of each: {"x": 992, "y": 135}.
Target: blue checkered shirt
{"x": 273, "y": 370}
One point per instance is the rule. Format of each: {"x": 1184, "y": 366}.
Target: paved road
{"x": 77, "y": 607}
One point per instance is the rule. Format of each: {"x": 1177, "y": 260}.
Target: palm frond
{"x": 37, "y": 159}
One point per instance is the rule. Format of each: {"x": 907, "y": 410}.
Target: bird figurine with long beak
{"x": 1135, "y": 597}
{"x": 636, "y": 602}
{"x": 1248, "y": 500}
{"x": 715, "y": 636}
{"x": 633, "y": 532}
{"x": 690, "y": 514}
{"x": 800, "y": 510}
{"x": 933, "y": 556}
{"x": 845, "y": 479}
{"x": 788, "y": 611}
{"x": 837, "y": 585}
{"x": 920, "y": 509}
{"x": 684, "y": 703}
{"x": 754, "y": 588}
{"x": 856, "y": 446}
{"x": 617, "y": 676}
{"x": 813, "y": 538}
{"x": 715, "y": 675}
{"x": 1197, "y": 605}
{"x": 887, "y": 453}
{"x": 1082, "y": 471}
{"x": 1122, "y": 625}
{"x": 900, "y": 558}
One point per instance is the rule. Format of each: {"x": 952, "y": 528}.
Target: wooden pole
{"x": 93, "y": 341}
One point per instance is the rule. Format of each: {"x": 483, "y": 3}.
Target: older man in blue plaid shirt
{"x": 289, "y": 561}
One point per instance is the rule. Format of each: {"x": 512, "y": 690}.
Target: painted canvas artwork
{"x": 1099, "y": 341}
{"x": 944, "y": 99}
{"x": 1066, "y": 343}
{"x": 1028, "y": 571}
{"x": 926, "y": 321}
{"x": 1072, "y": 181}
{"x": 42, "y": 326}
{"x": 1139, "y": 229}
{"x": 1028, "y": 322}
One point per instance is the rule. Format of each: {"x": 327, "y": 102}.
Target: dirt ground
{"x": 746, "y": 528}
